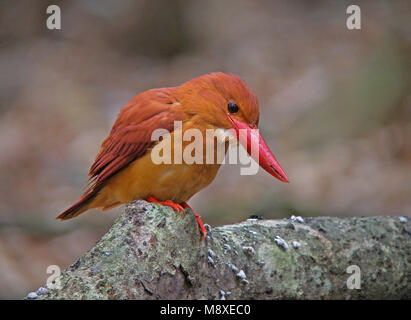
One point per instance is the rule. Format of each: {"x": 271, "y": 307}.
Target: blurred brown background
{"x": 335, "y": 108}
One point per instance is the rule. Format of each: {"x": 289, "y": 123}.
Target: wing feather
{"x": 130, "y": 137}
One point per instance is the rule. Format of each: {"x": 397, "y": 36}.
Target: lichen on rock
{"x": 150, "y": 253}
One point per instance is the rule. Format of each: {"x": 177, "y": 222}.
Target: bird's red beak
{"x": 251, "y": 136}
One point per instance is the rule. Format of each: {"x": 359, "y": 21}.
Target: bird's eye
{"x": 232, "y": 107}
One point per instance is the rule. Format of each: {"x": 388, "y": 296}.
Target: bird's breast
{"x": 176, "y": 168}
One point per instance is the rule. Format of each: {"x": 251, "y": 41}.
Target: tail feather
{"x": 79, "y": 207}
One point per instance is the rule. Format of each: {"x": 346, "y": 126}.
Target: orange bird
{"x": 124, "y": 169}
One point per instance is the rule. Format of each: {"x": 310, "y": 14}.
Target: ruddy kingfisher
{"x": 124, "y": 169}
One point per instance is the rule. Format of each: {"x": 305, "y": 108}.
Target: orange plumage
{"x": 123, "y": 169}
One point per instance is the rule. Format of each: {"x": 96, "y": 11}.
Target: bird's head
{"x": 224, "y": 101}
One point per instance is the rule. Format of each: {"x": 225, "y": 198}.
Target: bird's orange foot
{"x": 168, "y": 203}
{"x": 198, "y": 218}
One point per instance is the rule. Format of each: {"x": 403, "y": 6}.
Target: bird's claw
{"x": 181, "y": 207}
{"x": 176, "y": 207}
{"x": 201, "y": 226}
{"x": 203, "y": 230}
